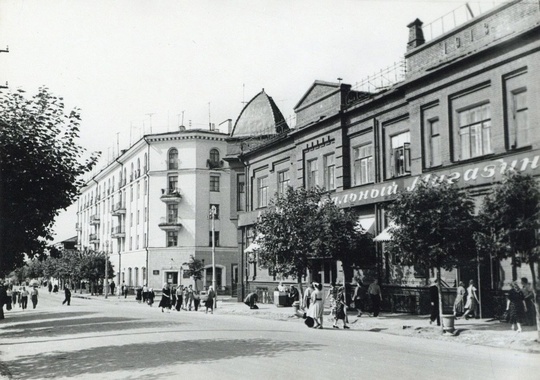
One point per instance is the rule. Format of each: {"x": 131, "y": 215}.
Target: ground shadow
{"x": 37, "y": 316}
{"x": 149, "y": 355}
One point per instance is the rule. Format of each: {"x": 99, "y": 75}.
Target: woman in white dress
{"x": 316, "y": 308}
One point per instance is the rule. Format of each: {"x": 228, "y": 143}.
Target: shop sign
{"x": 466, "y": 176}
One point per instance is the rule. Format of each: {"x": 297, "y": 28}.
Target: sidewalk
{"x": 484, "y": 332}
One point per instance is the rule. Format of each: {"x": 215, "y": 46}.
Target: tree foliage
{"x": 304, "y": 224}
{"x": 41, "y": 171}
{"x": 195, "y": 268}
{"x": 510, "y": 218}
{"x": 434, "y": 226}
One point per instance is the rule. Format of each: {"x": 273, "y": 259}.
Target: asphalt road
{"x": 97, "y": 339}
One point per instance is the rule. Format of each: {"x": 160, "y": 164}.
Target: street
{"x": 109, "y": 339}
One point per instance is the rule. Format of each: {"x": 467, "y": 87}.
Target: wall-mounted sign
{"x": 155, "y": 272}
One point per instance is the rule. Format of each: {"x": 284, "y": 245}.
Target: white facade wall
{"x": 136, "y": 242}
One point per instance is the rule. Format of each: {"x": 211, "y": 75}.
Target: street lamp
{"x": 106, "y": 284}
{"x": 213, "y": 212}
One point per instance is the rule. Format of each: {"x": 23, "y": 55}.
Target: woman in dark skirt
{"x": 165, "y": 302}
{"x": 515, "y": 305}
{"x": 341, "y": 308}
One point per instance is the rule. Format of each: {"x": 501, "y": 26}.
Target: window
{"x": 145, "y": 186}
{"x": 131, "y": 219}
{"x": 131, "y": 193}
{"x": 475, "y": 131}
{"x": 241, "y": 192}
{"x": 146, "y": 214}
{"x": 145, "y": 164}
{"x": 283, "y": 182}
{"x": 138, "y": 172}
{"x": 216, "y": 216}
{"x": 363, "y": 165}
{"x": 136, "y": 276}
{"x": 216, "y": 238}
{"x": 214, "y": 183}
{"x": 329, "y": 172}
{"x": 138, "y": 190}
{"x": 173, "y": 183}
{"x": 519, "y": 119}
{"x": 434, "y": 142}
{"x": 262, "y": 192}
{"x": 173, "y": 159}
{"x": 172, "y": 212}
{"x": 138, "y": 216}
{"x": 172, "y": 238}
{"x": 144, "y": 242}
{"x": 137, "y": 242}
{"x": 400, "y": 154}
{"x": 312, "y": 172}
{"x": 130, "y": 277}
{"x": 131, "y": 176}
{"x": 214, "y": 158}
{"x": 131, "y": 243}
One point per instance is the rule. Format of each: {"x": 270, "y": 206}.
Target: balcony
{"x": 94, "y": 219}
{"x": 118, "y": 232}
{"x": 170, "y": 224}
{"x": 94, "y": 239}
{"x": 118, "y": 209}
{"x": 170, "y": 195}
{"x": 78, "y": 227}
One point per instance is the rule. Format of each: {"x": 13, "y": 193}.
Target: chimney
{"x": 416, "y": 35}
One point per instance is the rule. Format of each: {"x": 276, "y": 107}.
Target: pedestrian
{"x": 151, "y": 296}
{"x": 516, "y": 307}
{"x": 375, "y": 295}
{"x": 3, "y": 299}
{"x": 55, "y": 288}
{"x": 472, "y": 301}
{"x": 331, "y": 298}
{"x": 341, "y": 308}
{"x": 34, "y": 296}
{"x": 316, "y": 309}
{"x": 125, "y": 289}
{"x": 189, "y": 298}
{"x": 307, "y": 297}
{"x": 179, "y": 297}
{"x": 138, "y": 294}
{"x": 251, "y": 300}
{"x": 67, "y": 295}
{"x": 458, "y": 302}
{"x": 145, "y": 293}
{"x": 357, "y": 297}
{"x": 113, "y": 286}
{"x": 9, "y": 297}
{"x": 165, "y": 302}
{"x": 293, "y": 296}
{"x": 196, "y": 299}
{"x": 24, "y": 298}
{"x": 185, "y": 297}
{"x": 209, "y": 303}
{"x": 14, "y": 295}
{"x": 173, "y": 297}
{"x": 528, "y": 294}
{"x": 50, "y": 287}
{"x": 434, "y": 302}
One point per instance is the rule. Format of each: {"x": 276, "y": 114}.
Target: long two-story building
{"x": 465, "y": 110}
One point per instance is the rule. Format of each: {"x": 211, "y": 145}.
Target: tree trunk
{"x": 440, "y": 306}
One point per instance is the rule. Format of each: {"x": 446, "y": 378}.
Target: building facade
{"x": 149, "y": 210}
{"x": 465, "y": 111}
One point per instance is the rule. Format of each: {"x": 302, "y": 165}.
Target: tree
{"x": 434, "y": 227}
{"x": 510, "y": 219}
{"x": 195, "y": 269}
{"x": 302, "y": 225}
{"x": 41, "y": 171}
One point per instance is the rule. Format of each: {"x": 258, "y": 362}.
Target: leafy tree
{"x": 41, "y": 171}
{"x": 510, "y": 219}
{"x": 434, "y": 227}
{"x": 304, "y": 224}
{"x": 195, "y": 269}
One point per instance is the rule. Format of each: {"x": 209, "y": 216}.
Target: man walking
{"x": 67, "y": 293}
{"x": 375, "y": 294}
{"x": 434, "y": 300}
{"x": 34, "y": 296}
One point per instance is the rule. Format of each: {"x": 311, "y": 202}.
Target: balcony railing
{"x": 118, "y": 208}
{"x": 94, "y": 219}
{"x": 94, "y": 238}
{"x": 170, "y": 223}
{"x": 118, "y": 232}
{"x": 170, "y": 195}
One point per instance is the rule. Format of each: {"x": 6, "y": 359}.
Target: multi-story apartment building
{"x": 466, "y": 110}
{"x": 150, "y": 210}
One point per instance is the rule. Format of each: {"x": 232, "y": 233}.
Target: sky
{"x": 135, "y": 67}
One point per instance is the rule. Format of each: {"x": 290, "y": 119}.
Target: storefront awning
{"x": 385, "y": 235}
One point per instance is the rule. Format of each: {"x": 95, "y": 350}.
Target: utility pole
{"x": 6, "y": 50}
{"x": 213, "y": 212}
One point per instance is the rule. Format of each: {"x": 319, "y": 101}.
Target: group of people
{"x": 186, "y": 298}
{"x": 520, "y": 305}
{"x": 11, "y": 295}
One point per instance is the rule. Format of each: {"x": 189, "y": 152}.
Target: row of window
{"x": 172, "y": 238}
{"x": 172, "y": 162}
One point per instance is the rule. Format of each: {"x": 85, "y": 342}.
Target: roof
{"x": 260, "y": 117}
